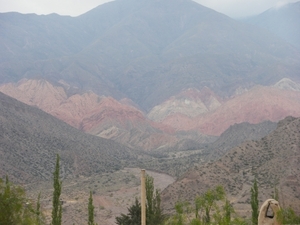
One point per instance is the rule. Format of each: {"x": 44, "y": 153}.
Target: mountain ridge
{"x": 145, "y": 55}
{"x": 181, "y": 117}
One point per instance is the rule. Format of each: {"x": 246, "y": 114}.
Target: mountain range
{"x": 168, "y": 85}
{"x": 192, "y": 116}
{"x": 145, "y": 72}
{"x": 30, "y": 139}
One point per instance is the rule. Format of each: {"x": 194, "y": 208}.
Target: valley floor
{"x": 113, "y": 193}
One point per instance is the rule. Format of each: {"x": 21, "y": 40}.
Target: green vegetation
{"x": 91, "y": 210}
{"x": 15, "y": 208}
{"x": 254, "y": 203}
{"x": 210, "y": 208}
{"x": 288, "y": 216}
{"x": 57, "y": 205}
{"x": 39, "y": 215}
{"x": 205, "y": 203}
{"x": 133, "y": 216}
{"x": 154, "y": 213}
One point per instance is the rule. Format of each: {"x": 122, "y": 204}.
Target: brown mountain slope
{"x": 30, "y": 139}
{"x": 236, "y": 135}
{"x": 273, "y": 160}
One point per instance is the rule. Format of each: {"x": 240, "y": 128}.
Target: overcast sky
{"x": 233, "y": 8}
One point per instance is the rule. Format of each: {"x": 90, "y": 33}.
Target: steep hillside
{"x": 31, "y": 138}
{"x": 237, "y": 134}
{"x": 186, "y": 154}
{"x": 274, "y": 160}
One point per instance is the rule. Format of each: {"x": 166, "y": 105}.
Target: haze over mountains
{"x": 182, "y": 67}
{"x": 282, "y": 21}
{"x": 145, "y": 50}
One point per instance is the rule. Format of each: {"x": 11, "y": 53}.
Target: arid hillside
{"x": 273, "y": 160}
{"x": 31, "y": 138}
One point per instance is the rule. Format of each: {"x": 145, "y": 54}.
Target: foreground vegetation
{"x": 212, "y": 207}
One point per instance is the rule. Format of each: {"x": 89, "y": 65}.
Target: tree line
{"x": 210, "y": 208}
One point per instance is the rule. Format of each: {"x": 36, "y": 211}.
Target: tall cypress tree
{"x": 91, "y": 210}
{"x": 154, "y": 211}
{"x": 254, "y": 203}
{"x": 57, "y": 206}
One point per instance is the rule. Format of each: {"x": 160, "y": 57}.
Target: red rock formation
{"x": 38, "y": 93}
{"x": 102, "y": 116}
{"x": 191, "y": 110}
{"x": 256, "y": 105}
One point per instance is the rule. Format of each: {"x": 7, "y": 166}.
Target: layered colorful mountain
{"x": 191, "y": 111}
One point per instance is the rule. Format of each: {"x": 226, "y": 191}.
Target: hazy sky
{"x": 233, "y": 8}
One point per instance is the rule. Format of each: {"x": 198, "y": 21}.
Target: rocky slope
{"x": 273, "y": 160}
{"x": 237, "y": 134}
{"x": 31, "y": 138}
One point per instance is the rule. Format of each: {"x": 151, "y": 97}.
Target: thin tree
{"x": 206, "y": 202}
{"x": 254, "y": 203}
{"x": 57, "y": 205}
{"x": 38, "y": 210}
{"x": 154, "y": 212}
{"x": 228, "y": 210}
{"x": 91, "y": 210}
